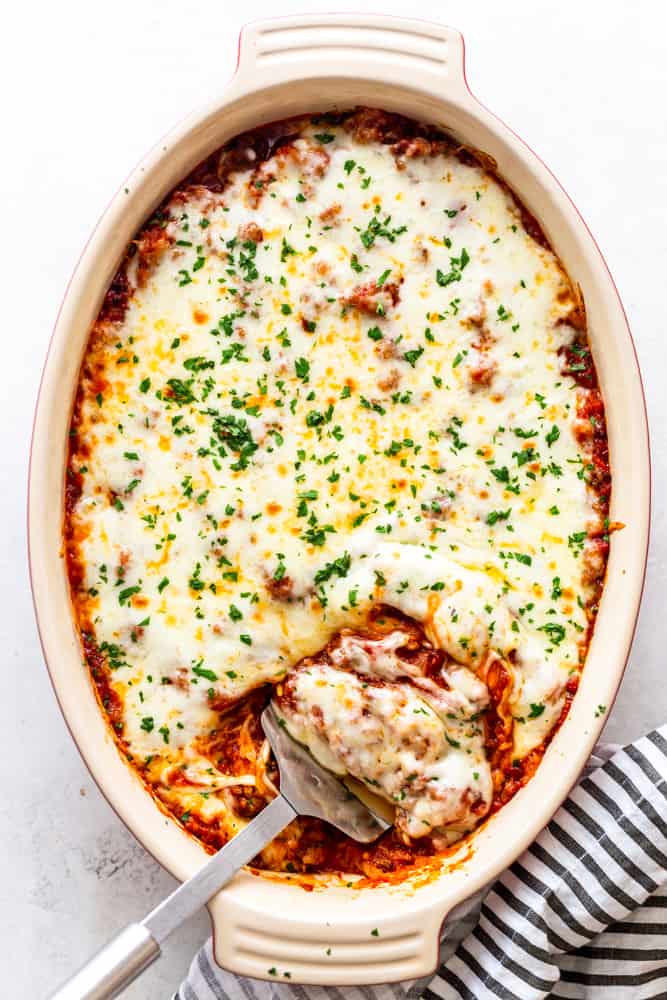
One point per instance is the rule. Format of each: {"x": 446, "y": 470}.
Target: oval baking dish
{"x": 290, "y": 66}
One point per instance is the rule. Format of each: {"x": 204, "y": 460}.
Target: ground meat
{"x": 482, "y": 367}
{"x": 591, "y": 432}
{"x": 369, "y": 125}
{"x": 481, "y": 376}
{"x": 386, "y": 349}
{"x": 390, "y": 381}
{"x": 412, "y": 138}
{"x": 181, "y": 678}
{"x": 73, "y": 491}
{"x": 245, "y": 800}
{"x": 260, "y": 179}
{"x": 247, "y": 151}
{"x": 150, "y": 246}
{"x": 250, "y": 231}
{"x": 595, "y": 555}
{"x": 311, "y": 161}
{"x": 207, "y": 198}
{"x": 423, "y": 657}
{"x": 117, "y": 298}
{"x": 282, "y": 590}
{"x": 577, "y": 362}
{"x": 476, "y": 320}
{"x": 100, "y": 672}
{"x": 583, "y": 431}
{"x": 409, "y": 149}
{"x": 373, "y": 300}
{"x": 329, "y": 214}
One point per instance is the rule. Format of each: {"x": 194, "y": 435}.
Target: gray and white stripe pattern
{"x": 581, "y": 914}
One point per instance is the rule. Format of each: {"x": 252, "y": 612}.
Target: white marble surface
{"x": 87, "y": 90}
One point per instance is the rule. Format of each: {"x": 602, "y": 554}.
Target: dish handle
{"x": 274, "y": 931}
{"x": 419, "y": 54}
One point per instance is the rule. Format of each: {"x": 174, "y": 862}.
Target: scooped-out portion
{"x": 408, "y": 728}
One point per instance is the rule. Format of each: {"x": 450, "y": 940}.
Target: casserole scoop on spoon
{"x": 306, "y": 789}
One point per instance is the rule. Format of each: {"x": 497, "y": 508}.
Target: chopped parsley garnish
{"x": 316, "y": 534}
{"x": 235, "y": 433}
{"x": 179, "y": 391}
{"x": 576, "y": 541}
{"x": 339, "y": 567}
{"x": 200, "y": 671}
{"x": 501, "y": 474}
{"x": 555, "y": 632}
{"x": 412, "y": 357}
{"x": 377, "y": 228}
{"x": 553, "y": 435}
{"x": 456, "y": 265}
{"x": 286, "y": 251}
{"x": 127, "y": 594}
{"x": 302, "y": 369}
{"x": 315, "y": 418}
{"x": 497, "y": 515}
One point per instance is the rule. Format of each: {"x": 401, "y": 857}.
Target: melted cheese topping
{"x": 406, "y": 744}
{"x": 337, "y": 386}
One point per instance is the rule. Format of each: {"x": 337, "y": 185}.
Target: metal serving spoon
{"x": 306, "y": 789}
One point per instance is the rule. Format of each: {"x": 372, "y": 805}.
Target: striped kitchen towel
{"x": 581, "y": 914}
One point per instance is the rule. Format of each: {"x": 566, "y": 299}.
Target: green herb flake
{"x": 553, "y": 435}
{"x": 200, "y": 671}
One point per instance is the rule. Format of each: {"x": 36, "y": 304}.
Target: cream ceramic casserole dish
{"x": 337, "y": 935}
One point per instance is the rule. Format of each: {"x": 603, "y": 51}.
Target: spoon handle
{"x": 137, "y": 946}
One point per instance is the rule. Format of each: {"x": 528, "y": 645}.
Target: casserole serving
{"x": 339, "y": 394}
{"x": 341, "y": 933}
